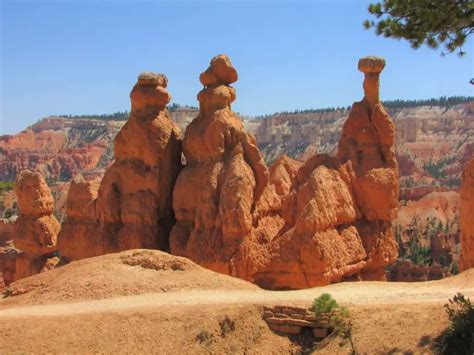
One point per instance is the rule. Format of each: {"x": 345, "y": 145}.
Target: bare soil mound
{"x": 132, "y": 272}
{"x": 146, "y": 301}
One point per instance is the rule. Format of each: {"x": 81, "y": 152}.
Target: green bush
{"x": 324, "y": 305}
{"x": 459, "y": 337}
{"x": 328, "y": 310}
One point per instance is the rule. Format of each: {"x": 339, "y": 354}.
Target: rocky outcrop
{"x": 419, "y": 192}
{"x": 58, "y": 148}
{"x": 407, "y": 271}
{"x": 78, "y": 236}
{"x": 440, "y": 206}
{"x": 34, "y": 232}
{"x": 293, "y": 225}
{"x": 294, "y": 320}
{"x": 63, "y": 147}
{"x": 466, "y": 259}
{"x": 132, "y": 208}
{"x": 367, "y": 141}
{"x": 224, "y": 177}
{"x": 6, "y": 229}
{"x": 36, "y": 229}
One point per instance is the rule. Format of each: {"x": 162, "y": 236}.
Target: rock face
{"x": 367, "y": 141}
{"x": 132, "y": 207}
{"x": 466, "y": 259}
{"x": 407, "y": 271}
{"x": 225, "y": 175}
{"x": 293, "y": 225}
{"x": 58, "y": 148}
{"x": 34, "y": 232}
{"x": 6, "y": 229}
{"x": 78, "y": 237}
{"x": 434, "y": 140}
{"x": 36, "y": 229}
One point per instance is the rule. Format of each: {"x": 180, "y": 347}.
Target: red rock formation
{"x": 78, "y": 235}
{"x": 442, "y": 206}
{"x": 295, "y": 226}
{"x": 57, "y": 150}
{"x": 406, "y": 271}
{"x": 225, "y": 175}
{"x": 6, "y": 229}
{"x": 133, "y": 204}
{"x": 406, "y": 165}
{"x": 34, "y": 232}
{"x": 36, "y": 229}
{"x": 418, "y": 192}
{"x": 466, "y": 259}
{"x": 367, "y": 141}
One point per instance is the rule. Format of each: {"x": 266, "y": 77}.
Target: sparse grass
{"x": 204, "y": 337}
{"x": 227, "y": 326}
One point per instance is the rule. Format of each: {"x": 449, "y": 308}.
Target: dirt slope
{"x": 148, "y": 301}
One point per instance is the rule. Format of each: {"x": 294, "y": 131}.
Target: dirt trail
{"x": 355, "y": 293}
{"x": 138, "y": 302}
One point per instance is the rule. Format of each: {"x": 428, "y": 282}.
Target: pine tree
{"x": 425, "y": 22}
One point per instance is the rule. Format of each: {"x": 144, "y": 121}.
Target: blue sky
{"x": 83, "y": 57}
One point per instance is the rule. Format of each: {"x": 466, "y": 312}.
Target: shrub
{"x": 324, "y": 305}
{"x": 459, "y": 337}
{"x": 337, "y": 317}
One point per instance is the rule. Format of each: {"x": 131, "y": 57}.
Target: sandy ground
{"x": 147, "y": 302}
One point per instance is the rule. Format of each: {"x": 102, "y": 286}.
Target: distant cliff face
{"x": 433, "y": 143}
{"x": 61, "y": 147}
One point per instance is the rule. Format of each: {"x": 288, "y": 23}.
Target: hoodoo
{"x": 367, "y": 141}
{"x": 35, "y": 231}
{"x": 132, "y": 208}
{"x": 293, "y": 225}
{"x": 224, "y": 177}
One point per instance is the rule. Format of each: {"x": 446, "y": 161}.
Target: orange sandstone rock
{"x": 225, "y": 175}
{"x": 34, "y": 232}
{"x": 294, "y": 225}
{"x": 132, "y": 208}
{"x": 466, "y": 259}
{"x": 367, "y": 141}
{"x": 78, "y": 239}
{"x": 36, "y": 229}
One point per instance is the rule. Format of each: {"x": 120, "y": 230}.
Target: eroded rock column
{"x": 367, "y": 141}
{"x": 35, "y": 231}
{"x": 225, "y": 176}
{"x": 133, "y": 204}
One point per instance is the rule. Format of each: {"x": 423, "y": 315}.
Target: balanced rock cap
{"x": 371, "y": 64}
{"x": 220, "y": 72}
{"x": 149, "y": 78}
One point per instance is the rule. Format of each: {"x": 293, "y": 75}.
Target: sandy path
{"x": 356, "y": 293}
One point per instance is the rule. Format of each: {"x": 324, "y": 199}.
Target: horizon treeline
{"x": 443, "y": 101}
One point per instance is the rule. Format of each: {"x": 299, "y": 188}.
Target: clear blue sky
{"x": 83, "y": 57}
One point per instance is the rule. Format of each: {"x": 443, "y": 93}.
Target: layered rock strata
{"x": 292, "y": 320}
{"x": 466, "y": 259}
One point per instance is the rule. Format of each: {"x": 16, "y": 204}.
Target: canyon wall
{"x": 466, "y": 260}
